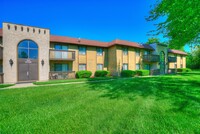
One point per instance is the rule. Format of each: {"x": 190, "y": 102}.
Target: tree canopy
{"x": 153, "y": 40}
{"x": 182, "y": 23}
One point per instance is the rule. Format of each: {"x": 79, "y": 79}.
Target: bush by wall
{"x": 184, "y": 70}
{"x": 142, "y": 72}
{"x": 127, "y": 73}
{"x": 83, "y": 74}
{"x": 101, "y": 73}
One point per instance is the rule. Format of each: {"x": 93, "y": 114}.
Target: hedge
{"x": 83, "y": 74}
{"x": 128, "y": 73}
{"x": 101, "y": 73}
{"x": 142, "y": 72}
{"x": 184, "y": 70}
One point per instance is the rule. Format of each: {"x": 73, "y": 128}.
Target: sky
{"x": 103, "y": 20}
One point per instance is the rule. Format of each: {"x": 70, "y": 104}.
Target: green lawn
{"x": 73, "y": 80}
{"x": 6, "y": 85}
{"x": 165, "y": 104}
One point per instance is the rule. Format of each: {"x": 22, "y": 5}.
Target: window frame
{"x": 123, "y": 66}
{"x": 125, "y": 50}
{"x": 99, "y": 53}
{"x": 82, "y": 53}
{"x": 80, "y": 65}
{"x": 137, "y": 52}
{"x": 136, "y": 66}
{"x": 99, "y": 69}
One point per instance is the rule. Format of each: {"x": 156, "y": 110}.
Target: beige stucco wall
{"x": 12, "y": 37}
{"x": 131, "y": 58}
{"x": 112, "y": 60}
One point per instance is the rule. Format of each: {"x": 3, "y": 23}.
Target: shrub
{"x": 83, "y": 74}
{"x": 127, "y": 73}
{"x": 184, "y": 70}
{"x": 142, "y": 72}
{"x": 101, "y": 73}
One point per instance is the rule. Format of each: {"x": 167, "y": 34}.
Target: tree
{"x": 182, "y": 23}
{"x": 153, "y": 40}
{"x": 193, "y": 59}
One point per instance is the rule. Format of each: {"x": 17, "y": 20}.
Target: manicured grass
{"x": 165, "y": 104}
{"x": 6, "y": 85}
{"x": 73, "y": 80}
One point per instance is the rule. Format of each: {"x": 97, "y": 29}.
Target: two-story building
{"x": 32, "y": 54}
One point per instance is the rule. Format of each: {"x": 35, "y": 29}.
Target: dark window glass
{"x": 22, "y": 53}
{"x": 32, "y": 44}
{"x": 23, "y": 44}
{"x": 33, "y": 53}
{"x": 28, "y": 49}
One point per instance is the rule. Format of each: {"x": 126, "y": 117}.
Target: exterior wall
{"x": 112, "y": 61}
{"x": 91, "y": 59}
{"x": 184, "y": 62}
{"x": 131, "y": 58}
{"x": 11, "y": 38}
{"x": 172, "y": 65}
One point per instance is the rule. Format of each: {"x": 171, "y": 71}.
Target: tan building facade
{"x": 32, "y": 54}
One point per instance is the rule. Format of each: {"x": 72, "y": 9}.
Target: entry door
{"x": 27, "y": 70}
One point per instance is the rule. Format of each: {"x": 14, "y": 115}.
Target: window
{"x": 60, "y": 67}
{"x": 61, "y": 54}
{"x": 125, "y": 66}
{"x": 137, "y": 52}
{"x": 82, "y": 67}
{"x": 181, "y": 57}
{"x": 82, "y": 50}
{"x": 99, "y": 66}
{"x": 175, "y": 65}
{"x": 147, "y": 66}
{"x": 181, "y": 65}
{"x": 137, "y": 66}
{"x": 146, "y": 52}
{"x": 99, "y": 51}
{"x": 125, "y": 51}
{"x": 27, "y": 49}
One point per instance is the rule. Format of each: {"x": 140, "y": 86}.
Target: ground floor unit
{"x": 30, "y": 53}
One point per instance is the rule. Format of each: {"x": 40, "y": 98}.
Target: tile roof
{"x": 1, "y": 32}
{"x": 64, "y": 39}
{"x": 176, "y": 52}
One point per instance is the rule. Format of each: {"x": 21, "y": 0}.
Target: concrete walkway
{"x": 24, "y": 85}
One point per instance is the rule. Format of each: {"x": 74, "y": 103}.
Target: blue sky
{"x": 103, "y": 20}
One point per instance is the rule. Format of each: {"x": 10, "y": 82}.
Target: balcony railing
{"x": 172, "y": 59}
{"x": 151, "y": 58}
{"x": 62, "y": 55}
{"x": 57, "y": 75}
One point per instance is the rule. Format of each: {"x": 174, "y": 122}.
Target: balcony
{"x": 151, "y": 58}
{"x": 62, "y": 55}
{"x": 172, "y": 59}
{"x": 59, "y": 75}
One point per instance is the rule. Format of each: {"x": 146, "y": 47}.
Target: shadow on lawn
{"x": 183, "y": 94}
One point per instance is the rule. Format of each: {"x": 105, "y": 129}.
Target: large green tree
{"x": 182, "y": 23}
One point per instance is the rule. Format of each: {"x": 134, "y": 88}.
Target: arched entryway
{"x": 27, "y": 61}
{"x": 162, "y": 62}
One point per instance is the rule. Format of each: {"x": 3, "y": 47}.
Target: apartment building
{"x": 32, "y": 54}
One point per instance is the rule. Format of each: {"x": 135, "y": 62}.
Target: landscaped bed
{"x": 163, "y": 104}
{"x": 6, "y": 85}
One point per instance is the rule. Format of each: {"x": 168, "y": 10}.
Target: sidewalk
{"x": 24, "y": 85}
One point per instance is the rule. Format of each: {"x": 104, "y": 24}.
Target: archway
{"x": 27, "y": 61}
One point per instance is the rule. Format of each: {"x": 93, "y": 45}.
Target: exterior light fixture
{"x": 11, "y": 62}
{"x": 42, "y": 62}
